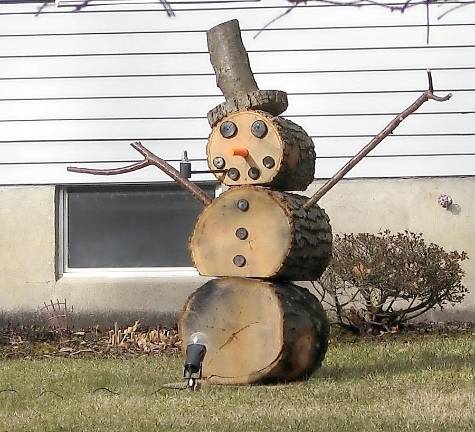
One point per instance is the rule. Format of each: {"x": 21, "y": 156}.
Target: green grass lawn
{"x": 422, "y": 384}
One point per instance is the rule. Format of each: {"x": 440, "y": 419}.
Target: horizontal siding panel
{"x": 166, "y": 42}
{"x": 414, "y": 166}
{"x": 333, "y": 104}
{"x": 395, "y": 145}
{"x": 420, "y": 58}
{"x": 50, "y": 173}
{"x": 206, "y": 85}
{"x": 370, "y": 167}
{"x": 121, "y": 152}
{"x": 322, "y": 105}
{"x": 97, "y": 151}
{"x": 199, "y": 128}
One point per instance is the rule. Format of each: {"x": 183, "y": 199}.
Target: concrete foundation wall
{"x": 28, "y": 246}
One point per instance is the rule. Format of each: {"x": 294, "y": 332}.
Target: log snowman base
{"x": 258, "y": 331}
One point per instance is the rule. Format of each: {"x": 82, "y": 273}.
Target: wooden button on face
{"x": 234, "y": 174}
{"x": 239, "y": 261}
{"x": 242, "y": 205}
{"x": 242, "y": 233}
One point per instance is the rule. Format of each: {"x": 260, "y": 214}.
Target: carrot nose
{"x": 240, "y": 151}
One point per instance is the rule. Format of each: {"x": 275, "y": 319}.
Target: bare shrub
{"x": 377, "y": 282}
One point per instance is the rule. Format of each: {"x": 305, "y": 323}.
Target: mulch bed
{"x": 34, "y": 342}
{"x": 30, "y": 342}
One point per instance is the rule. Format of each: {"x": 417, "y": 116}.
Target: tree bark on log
{"x": 258, "y": 331}
{"x": 230, "y": 60}
{"x": 272, "y": 101}
{"x": 252, "y": 231}
{"x": 295, "y": 176}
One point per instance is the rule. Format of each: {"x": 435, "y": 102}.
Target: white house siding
{"x": 77, "y": 87}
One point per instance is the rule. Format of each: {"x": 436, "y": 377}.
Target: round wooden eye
{"x": 259, "y": 129}
{"x": 228, "y": 129}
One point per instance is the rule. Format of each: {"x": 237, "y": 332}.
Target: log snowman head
{"x": 257, "y": 148}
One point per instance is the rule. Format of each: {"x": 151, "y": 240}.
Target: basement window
{"x": 127, "y": 228}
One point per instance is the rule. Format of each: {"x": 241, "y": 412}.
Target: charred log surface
{"x": 282, "y": 241}
{"x": 258, "y": 331}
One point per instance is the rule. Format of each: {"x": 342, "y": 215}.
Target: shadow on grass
{"x": 392, "y": 367}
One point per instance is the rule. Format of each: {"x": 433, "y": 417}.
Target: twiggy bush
{"x": 377, "y": 282}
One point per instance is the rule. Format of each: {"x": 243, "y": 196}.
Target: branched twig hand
{"x": 389, "y": 129}
{"x": 150, "y": 159}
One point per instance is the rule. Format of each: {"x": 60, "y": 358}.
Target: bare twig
{"x": 150, "y": 159}
{"x": 105, "y": 389}
{"x": 168, "y": 8}
{"x": 278, "y": 17}
{"x": 8, "y": 390}
{"x": 360, "y": 3}
{"x": 40, "y": 9}
{"x": 82, "y": 5}
{"x": 453, "y": 8}
{"x": 393, "y": 124}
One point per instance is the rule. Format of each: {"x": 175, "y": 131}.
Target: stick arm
{"x": 393, "y": 124}
{"x": 150, "y": 159}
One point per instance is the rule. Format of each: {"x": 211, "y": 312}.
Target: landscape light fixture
{"x": 195, "y": 353}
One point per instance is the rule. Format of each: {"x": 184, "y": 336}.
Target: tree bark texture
{"x": 286, "y": 144}
{"x": 274, "y": 102}
{"x": 258, "y": 331}
{"x": 295, "y": 176}
{"x": 274, "y": 237}
{"x": 230, "y": 60}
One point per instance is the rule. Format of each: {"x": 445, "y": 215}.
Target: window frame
{"x": 62, "y": 268}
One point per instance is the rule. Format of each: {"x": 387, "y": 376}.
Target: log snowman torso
{"x": 256, "y": 237}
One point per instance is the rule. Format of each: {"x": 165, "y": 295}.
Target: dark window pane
{"x": 130, "y": 226}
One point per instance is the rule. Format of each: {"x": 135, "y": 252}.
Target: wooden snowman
{"x": 256, "y": 238}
